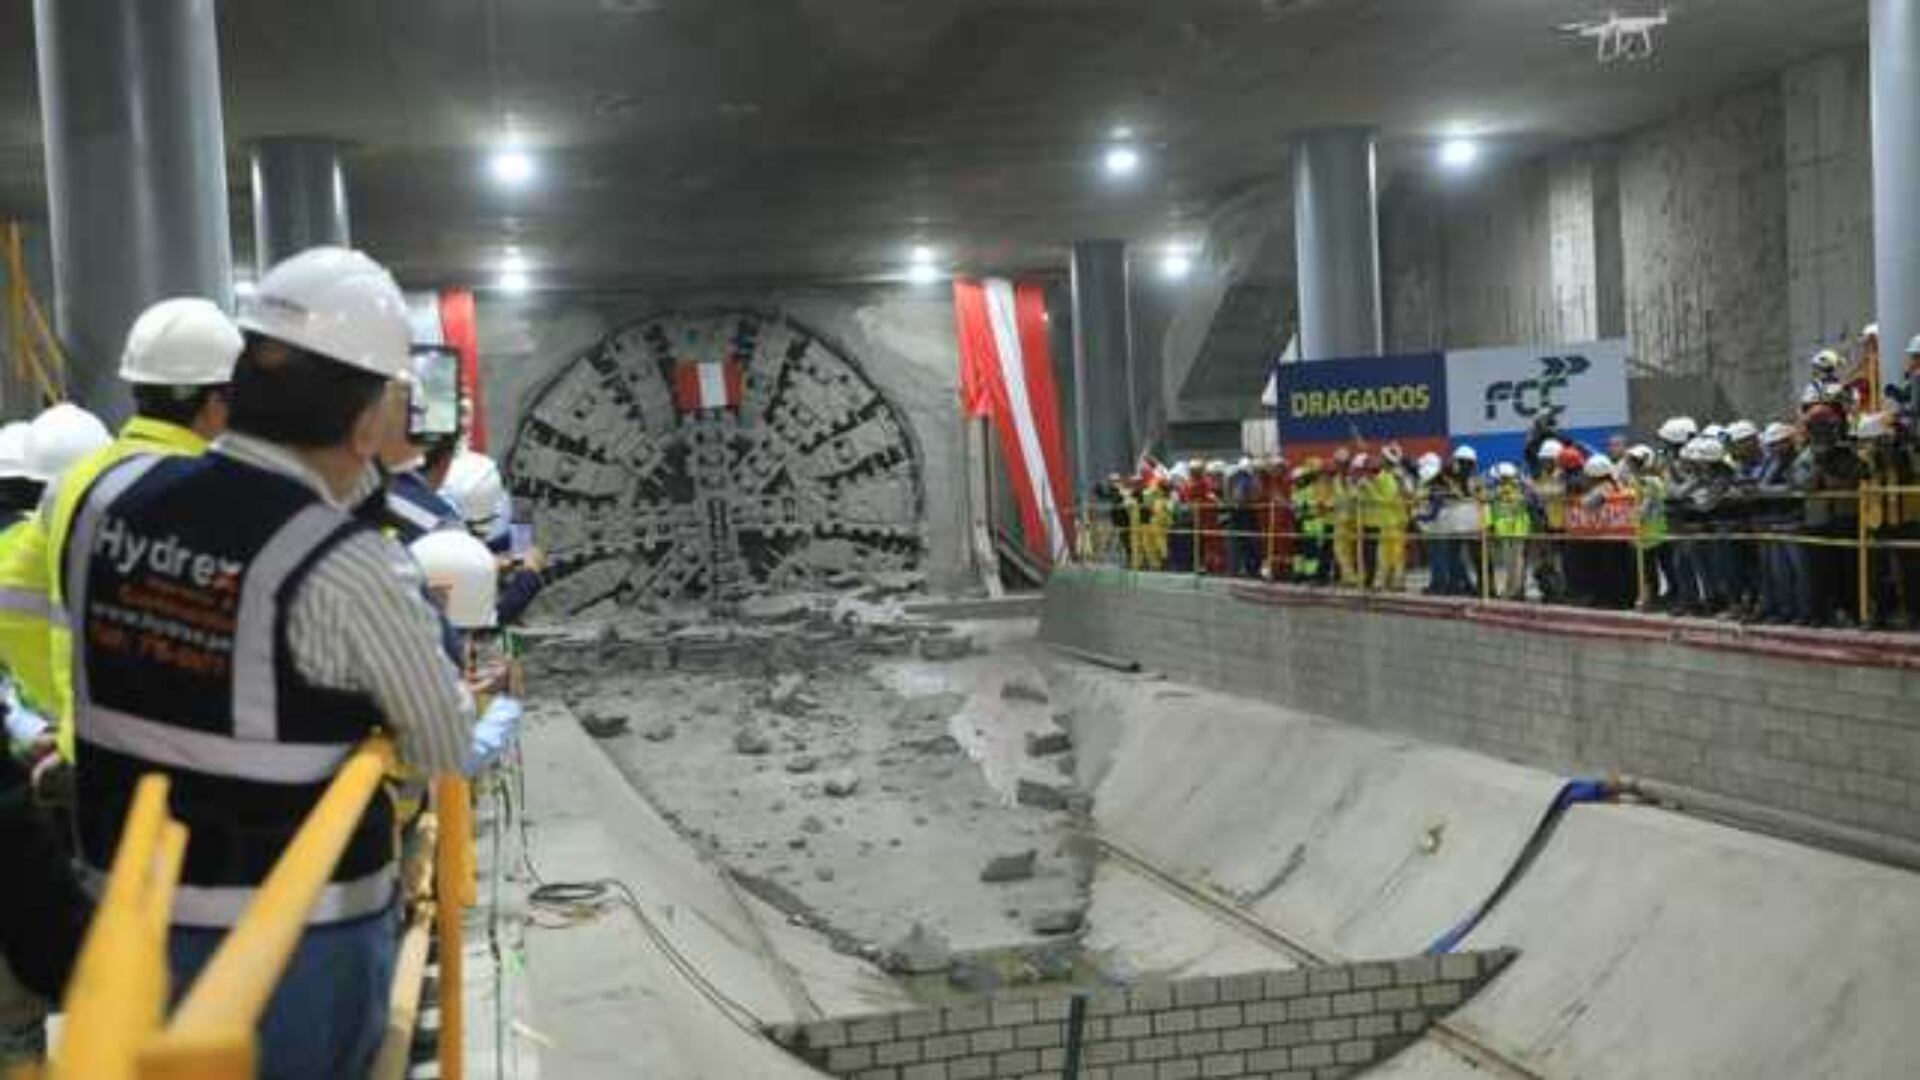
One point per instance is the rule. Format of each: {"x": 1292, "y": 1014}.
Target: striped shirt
{"x": 360, "y": 622}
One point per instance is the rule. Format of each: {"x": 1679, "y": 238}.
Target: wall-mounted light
{"x": 512, "y": 281}
{"x": 922, "y": 255}
{"x": 923, "y": 273}
{"x": 1176, "y": 264}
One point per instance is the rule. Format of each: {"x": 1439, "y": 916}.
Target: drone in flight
{"x": 1620, "y": 38}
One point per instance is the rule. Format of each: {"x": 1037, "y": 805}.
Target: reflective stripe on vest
{"x": 214, "y": 906}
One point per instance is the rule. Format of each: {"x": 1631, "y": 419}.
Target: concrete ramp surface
{"x": 1652, "y": 944}
{"x": 612, "y": 1001}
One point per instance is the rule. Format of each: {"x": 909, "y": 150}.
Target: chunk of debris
{"x": 659, "y": 731}
{"x": 786, "y": 696}
{"x": 1045, "y": 796}
{"x": 1006, "y": 868}
{"x": 920, "y": 952}
{"x": 811, "y": 824}
{"x": 1058, "y": 921}
{"x": 752, "y": 742}
{"x": 1048, "y": 743}
{"x": 775, "y": 608}
{"x": 1023, "y": 691}
{"x": 604, "y": 727}
{"x": 804, "y": 763}
{"x": 842, "y": 784}
{"x": 945, "y": 647}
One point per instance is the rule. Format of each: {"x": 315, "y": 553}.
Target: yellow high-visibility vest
{"x": 35, "y": 642}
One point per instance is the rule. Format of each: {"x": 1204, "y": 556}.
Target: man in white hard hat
{"x": 475, "y": 486}
{"x": 178, "y": 360}
{"x": 276, "y": 633}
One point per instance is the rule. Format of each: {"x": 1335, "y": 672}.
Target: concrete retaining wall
{"x": 1330, "y": 1022}
{"x": 1652, "y": 944}
{"x": 1828, "y": 740}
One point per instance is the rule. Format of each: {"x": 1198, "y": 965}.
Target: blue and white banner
{"x": 1495, "y": 395}
{"x": 1488, "y": 398}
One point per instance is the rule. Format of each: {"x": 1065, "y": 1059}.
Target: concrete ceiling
{"x": 749, "y": 141}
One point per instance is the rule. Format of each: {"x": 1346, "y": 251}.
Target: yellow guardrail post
{"x": 1863, "y": 555}
{"x": 117, "y": 994}
{"x": 454, "y": 886}
{"x": 212, "y": 1032}
{"x": 1486, "y": 562}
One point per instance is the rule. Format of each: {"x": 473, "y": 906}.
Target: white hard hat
{"x": 337, "y": 303}
{"x": 13, "y": 451}
{"x": 1872, "y": 330}
{"x": 1741, "y": 431}
{"x": 1678, "y": 431}
{"x": 1466, "y": 453}
{"x": 1640, "y": 454}
{"x": 1913, "y": 347}
{"x": 474, "y": 485}
{"x": 1873, "y": 426}
{"x": 1704, "y": 450}
{"x": 1714, "y": 431}
{"x": 1598, "y": 467}
{"x": 1549, "y": 450}
{"x": 1827, "y": 361}
{"x": 461, "y": 575}
{"x": 1217, "y": 467}
{"x": 1776, "y": 433}
{"x": 61, "y": 436}
{"x": 185, "y": 341}
{"x": 1429, "y": 467}
{"x": 1506, "y": 470}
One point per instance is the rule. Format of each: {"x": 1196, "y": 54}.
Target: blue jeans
{"x": 329, "y": 1013}
{"x": 1789, "y": 589}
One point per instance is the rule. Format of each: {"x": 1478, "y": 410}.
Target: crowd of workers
{"x": 271, "y": 561}
{"x": 1741, "y": 520}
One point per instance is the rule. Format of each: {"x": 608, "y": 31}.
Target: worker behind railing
{"x": 238, "y": 629}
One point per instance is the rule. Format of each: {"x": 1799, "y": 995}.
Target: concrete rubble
{"x": 851, "y": 765}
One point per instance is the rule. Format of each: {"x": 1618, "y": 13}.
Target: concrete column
{"x": 299, "y": 198}
{"x": 136, "y": 171}
{"x": 1895, "y": 39}
{"x": 1337, "y": 238}
{"x": 1103, "y": 435}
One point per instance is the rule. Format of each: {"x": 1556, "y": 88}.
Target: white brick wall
{"x": 1827, "y": 740}
{"x": 1328, "y": 1022}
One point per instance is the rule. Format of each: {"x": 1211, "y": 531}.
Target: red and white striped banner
{"x": 707, "y": 384}
{"x": 1006, "y": 373}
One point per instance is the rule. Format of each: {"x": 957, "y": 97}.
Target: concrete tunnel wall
{"x": 1827, "y": 740}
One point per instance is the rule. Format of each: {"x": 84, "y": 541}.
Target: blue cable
{"x": 1572, "y": 793}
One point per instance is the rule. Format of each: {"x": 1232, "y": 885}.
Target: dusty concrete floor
{"x": 865, "y": 794}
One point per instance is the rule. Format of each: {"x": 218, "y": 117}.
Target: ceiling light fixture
{"x": 511, "y": 167}
{"x": 1175, "y": 265}
{"x": 922, "y": 255}
{"x": 1459, "y": 154}
{"x": 1122, "y": 161}
{"x": 923, "y": 273}
{"x": 1122, "y": 133}
{"x": 513, "y": 281}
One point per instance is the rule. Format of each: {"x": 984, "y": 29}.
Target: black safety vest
{"x": 179, "y": 575}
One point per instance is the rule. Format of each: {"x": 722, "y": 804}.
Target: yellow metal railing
{"x": 116, "y": 1025}
{"x": 1147, "y": 541}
